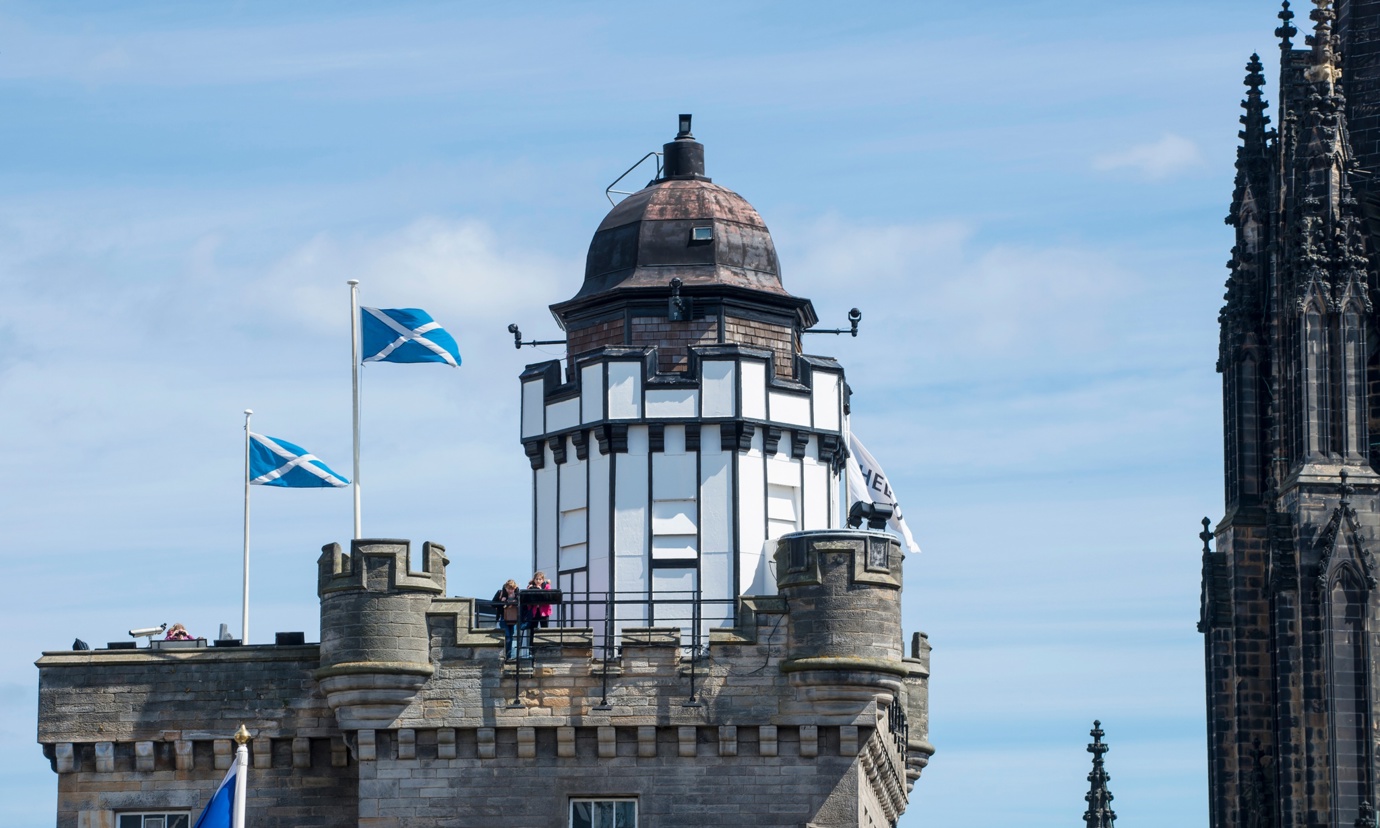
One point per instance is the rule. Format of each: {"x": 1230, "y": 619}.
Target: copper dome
{"x": 685, "y": 227}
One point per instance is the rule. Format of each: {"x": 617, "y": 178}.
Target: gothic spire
{"x": 1330, "y": 254}
{"x": 1099, "y": 813}
{"x": 1286, "y": 29}
{"x": 1252, "y": 162}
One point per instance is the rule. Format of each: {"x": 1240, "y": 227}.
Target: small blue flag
{"x": 274, "y": 462}
{"x": 405, "y": 335}
{"x": 219, "y": 812}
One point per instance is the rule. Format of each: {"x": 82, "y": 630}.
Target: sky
{"x": 1023, "y": 197}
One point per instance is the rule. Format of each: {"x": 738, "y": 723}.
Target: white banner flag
{"x": 867, "y": 482}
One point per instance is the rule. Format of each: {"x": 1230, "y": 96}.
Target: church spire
{"x": 1330, "y": 256}
{"x": 1252, "y": 164}
{"x": 1099, "y": 813}
{"x": 1286, "y": 29}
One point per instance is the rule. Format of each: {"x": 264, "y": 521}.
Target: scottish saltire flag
{"x": 275, "y": 462}
{"x": 404, "y": 335}
{"x": 220, "y": 811}
{"x": 867, "y": 481}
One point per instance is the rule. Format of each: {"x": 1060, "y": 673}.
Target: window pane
{"x": 131, "y": 821}
{"x": 178, "y": 821}
{"x": 625, "y": 815}
{"x": 580, "y": 816}
{"x": 603, "y": 815}
{"x": 155, "y": 822}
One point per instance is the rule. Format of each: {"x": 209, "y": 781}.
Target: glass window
{"x": 601, "y": 813}
{"x": 154, "y": 819}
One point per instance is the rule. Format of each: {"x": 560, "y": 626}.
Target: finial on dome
{"x": 683, "y": 157}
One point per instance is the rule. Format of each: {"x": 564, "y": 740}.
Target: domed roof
{"x": 692, "y": 229}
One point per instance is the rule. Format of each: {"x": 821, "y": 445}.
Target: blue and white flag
{"x": 274, "y": 462}
{"x": 405, "y": 335}
{"x": 220, "y": 811}
{"x": 867, "y": 481}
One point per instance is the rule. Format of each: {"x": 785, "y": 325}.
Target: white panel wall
{"x": 789, "y": 408}
{"x": 625, "y": 390}
{"x": 562, "y": 415}
{"x": 631, "y": 502}
{"x": 754, "y": 389}
{"x": 718, "y": 387}
{"x": 572, "y": 530}
{"x": 533, "y": 408}
{"x": 599, "y": 465}
{"x": 673, "y": 476}
{"x": 574, "y": 486}
{"x": 674, "y": 509}
{"x": 592, "y": 393}
{"x": 673, "y": 402}
{"x": 752, "y": 518}
{"x": 815, "y": 509}
{"x": 547, "y": 477}
{"x": 716, "y": 518}
{"x": 674, "y": 585}
{"x": 828, "y": 400}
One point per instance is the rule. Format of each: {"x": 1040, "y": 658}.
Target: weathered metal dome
{"x": 684, "y": 226}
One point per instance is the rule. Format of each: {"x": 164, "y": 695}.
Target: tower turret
{"x": 375, "y": 649}
{"x": 685, "y": 431}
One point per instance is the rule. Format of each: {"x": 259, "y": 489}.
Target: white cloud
{"x": 1170, "y": 155}
{"x": 456, "y": 268}
{"x": 941, "y": 299}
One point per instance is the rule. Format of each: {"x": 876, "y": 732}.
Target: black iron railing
{"x": 899, "y": 726}
{"x": 615, "y": 620}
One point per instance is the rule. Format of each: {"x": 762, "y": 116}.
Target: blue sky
{"x": 1024, "y": 198}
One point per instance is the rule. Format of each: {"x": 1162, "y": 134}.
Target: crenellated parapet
{"x": 375, "y": 644}
{"x": 843, "y": 593}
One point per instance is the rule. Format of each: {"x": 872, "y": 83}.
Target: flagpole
{"x": 244, "y": 609}
{"x": 354, "y": 382}
{"x": 242, "y": 772}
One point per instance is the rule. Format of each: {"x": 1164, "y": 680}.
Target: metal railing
{"x": 616, "y": 620}
{"x": 900, "y": 727}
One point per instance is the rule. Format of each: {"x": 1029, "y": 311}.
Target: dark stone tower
{"x": 1290, "y": 609}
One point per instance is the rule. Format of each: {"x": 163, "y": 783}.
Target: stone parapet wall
{"x": 729, "y": 733}
{"x": 134, "y": 695}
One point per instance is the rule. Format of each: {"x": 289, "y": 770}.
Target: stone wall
{"x": 729, "y": 734}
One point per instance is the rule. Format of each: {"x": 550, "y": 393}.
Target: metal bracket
{"x": 678, "y": 308}
{"x": 518, "y": 343}
{"x": 854, "y": 317}
{"x": 609, "y": 191}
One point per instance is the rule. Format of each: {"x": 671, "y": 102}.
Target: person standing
{"x": 539, "y": 615}
{"x": 506, "y": 606}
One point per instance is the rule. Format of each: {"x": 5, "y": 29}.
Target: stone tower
{"x": 1289, "y": 603}
{"x": 727, "y": 651}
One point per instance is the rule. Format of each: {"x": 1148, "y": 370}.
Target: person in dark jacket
{"x": 506, "y": 605}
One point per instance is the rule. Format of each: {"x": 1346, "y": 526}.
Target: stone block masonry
{"x": 481, "y": 740}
